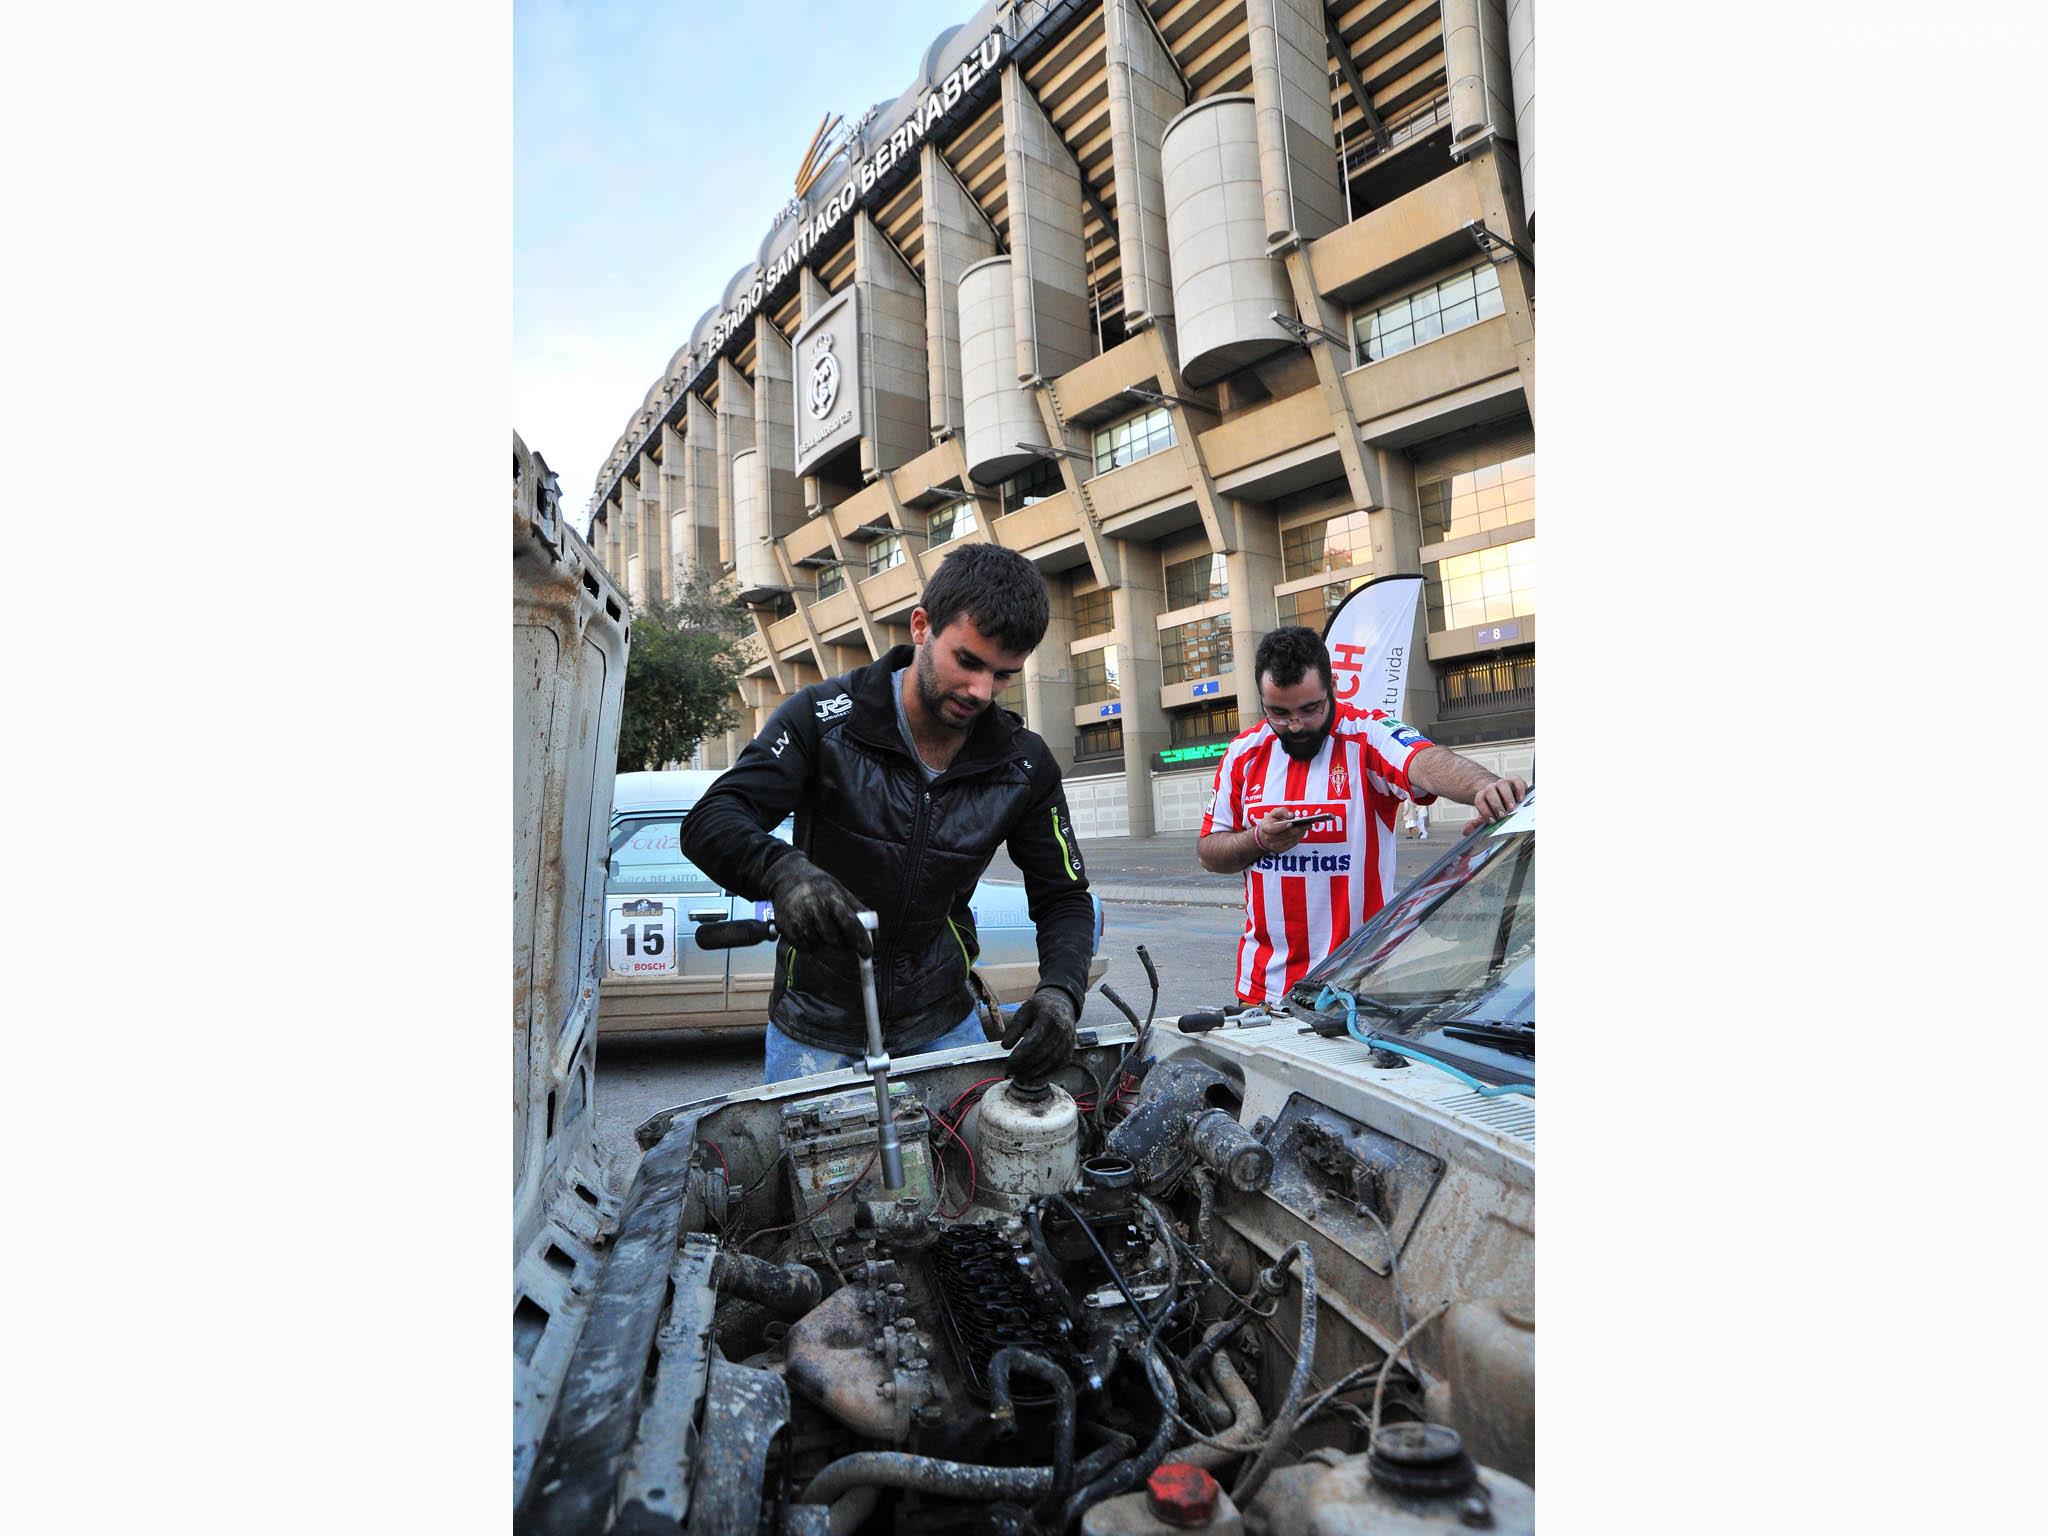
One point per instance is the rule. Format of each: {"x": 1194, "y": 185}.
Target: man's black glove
{"x": 1041, "y": 1035}
{"x": 813, "y": 910}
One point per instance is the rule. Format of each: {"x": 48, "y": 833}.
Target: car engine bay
{"x": 1166, "y": 1290}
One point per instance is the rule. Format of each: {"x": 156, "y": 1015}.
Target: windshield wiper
{"x": 1349, "y": 1001}
{"x": 1506, "y": 1035}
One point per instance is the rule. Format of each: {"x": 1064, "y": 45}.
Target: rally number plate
{"x": 643, "y": 939}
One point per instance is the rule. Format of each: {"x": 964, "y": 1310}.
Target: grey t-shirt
{"x": 903, "y": 724}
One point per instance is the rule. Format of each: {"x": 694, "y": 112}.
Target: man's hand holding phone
{"x": 1277, "y": 831}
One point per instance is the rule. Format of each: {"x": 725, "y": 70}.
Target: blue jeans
{"x": 787, "y": 1058}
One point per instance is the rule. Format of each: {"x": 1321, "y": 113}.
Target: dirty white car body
{"x": 757, "y": 1337}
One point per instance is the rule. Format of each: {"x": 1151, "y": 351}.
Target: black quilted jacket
{"x": 911, "y": 851}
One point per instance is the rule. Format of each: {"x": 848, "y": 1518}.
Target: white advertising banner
{"x": 1370, "y": 637}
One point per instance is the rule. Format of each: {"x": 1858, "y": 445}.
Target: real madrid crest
{"x": 824, "y": 384}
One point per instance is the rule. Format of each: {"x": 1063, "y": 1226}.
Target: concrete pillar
{"x": 894, "y": 381}
{"x": 811, "y": 296}
{"x": 630, "y": 565}
{"x": 1254, "y": 568}
{"x": 1137, "y": 604}
{"x": 1290, "y": 49}
{"x": 735, "y": 435}
{"x": 1476, "y": 61}
{"x": 956, "y": 236}
{"x": 1226, "y": 287}
{"x": 675, "y": 506}
{"x": 1396, "y": 548}
{"x": 1145, "y": 94}
{"x": 754, "y": 561}
{"x": 653, "y": 531}
{"x": 1049, "y": 677}
{"x": 614, "y": 544}
{"x": 1049, "y": 270}
{"x": 775, "y": 427}
{"x": 710, "y": 535}
{"x": 996, "y": 413}
{"x": 1496, "y": 178}
{"x": 1522, "y": 75}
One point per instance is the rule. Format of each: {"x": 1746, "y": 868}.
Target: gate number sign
{"x": 643, "y": 939}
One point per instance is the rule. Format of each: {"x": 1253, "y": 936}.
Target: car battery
{"x": 830, "y": 1145}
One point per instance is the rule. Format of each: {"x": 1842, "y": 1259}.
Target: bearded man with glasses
{"x": 1305, "y": 803}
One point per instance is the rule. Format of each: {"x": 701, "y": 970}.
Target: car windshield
{"x": 1451, "y": 964}
{"x": 647, "y": 857}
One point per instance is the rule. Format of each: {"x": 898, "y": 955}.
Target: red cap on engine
{"x": 1181, "y": 1495}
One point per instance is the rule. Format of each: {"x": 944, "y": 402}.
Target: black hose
{"x": 1115, "y": 1447}
{"x": 1015, "y": 1357}
{"x": 1218, "y": 1335}
{"x": 1290, "y": 1406}
{"x": 787, "y": 1290}
{"x": 1127, "y": 1474}
{"x": 1047, "y": 1267}
{"x": 1205, "y": 1209}
{"x": 927, "y": 1474}
{"x": 1116, "y": 1077}
{"x": 1151, "y": 975}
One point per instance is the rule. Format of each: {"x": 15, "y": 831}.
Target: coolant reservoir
{"x": 1027, "y": 1143}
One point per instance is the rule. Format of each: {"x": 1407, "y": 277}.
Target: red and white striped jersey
{"x": 1300, "y": 905}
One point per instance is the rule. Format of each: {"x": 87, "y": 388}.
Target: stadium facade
{"x": 1213, "y": 311}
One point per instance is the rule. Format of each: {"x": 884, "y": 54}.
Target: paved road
{"x": 1153, "y": 894}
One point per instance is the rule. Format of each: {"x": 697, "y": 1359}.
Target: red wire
{"x": 973, "y": 1173}
{"x": 721, "y": 1159}
{"x": 971, "y": 1087}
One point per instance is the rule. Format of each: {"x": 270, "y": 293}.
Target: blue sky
{"x": 652, "y": 144}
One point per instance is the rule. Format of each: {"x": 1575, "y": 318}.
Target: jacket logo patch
{"x": 833, "y": 708}
{"x": 780, "y": 742}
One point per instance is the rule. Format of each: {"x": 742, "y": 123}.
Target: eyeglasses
{"x": 1307, "y": 716}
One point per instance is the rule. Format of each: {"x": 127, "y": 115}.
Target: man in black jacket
{"x": 905, "y": 778}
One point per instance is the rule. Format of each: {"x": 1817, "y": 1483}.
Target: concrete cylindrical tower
{"x": 753, "y": 561}
{"x": 1225, "y": 286}
{"x": 997, "y": 414}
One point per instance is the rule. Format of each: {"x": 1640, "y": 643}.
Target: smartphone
{"x": 1321, "y": 818}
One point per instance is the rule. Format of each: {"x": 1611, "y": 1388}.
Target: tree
{"x": 681, "y": 671}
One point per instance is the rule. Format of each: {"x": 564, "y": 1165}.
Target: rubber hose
{"x": 1244, "y": 1428}
{"x": 787, "y": 1290}
{"x": 850, "y": 1510}
{"x": 1115, "y": 1447}
{"x": 1205, "y": 1211}
{"x": 1127, "y": 1474}
{"x": 1219, "y": 1334}
{"x": 1048, "y": 1268}
{"x": 1014, "y": 1357}
{"x": 927, "y": 1474}
{"x": 1305, "y": 1351}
